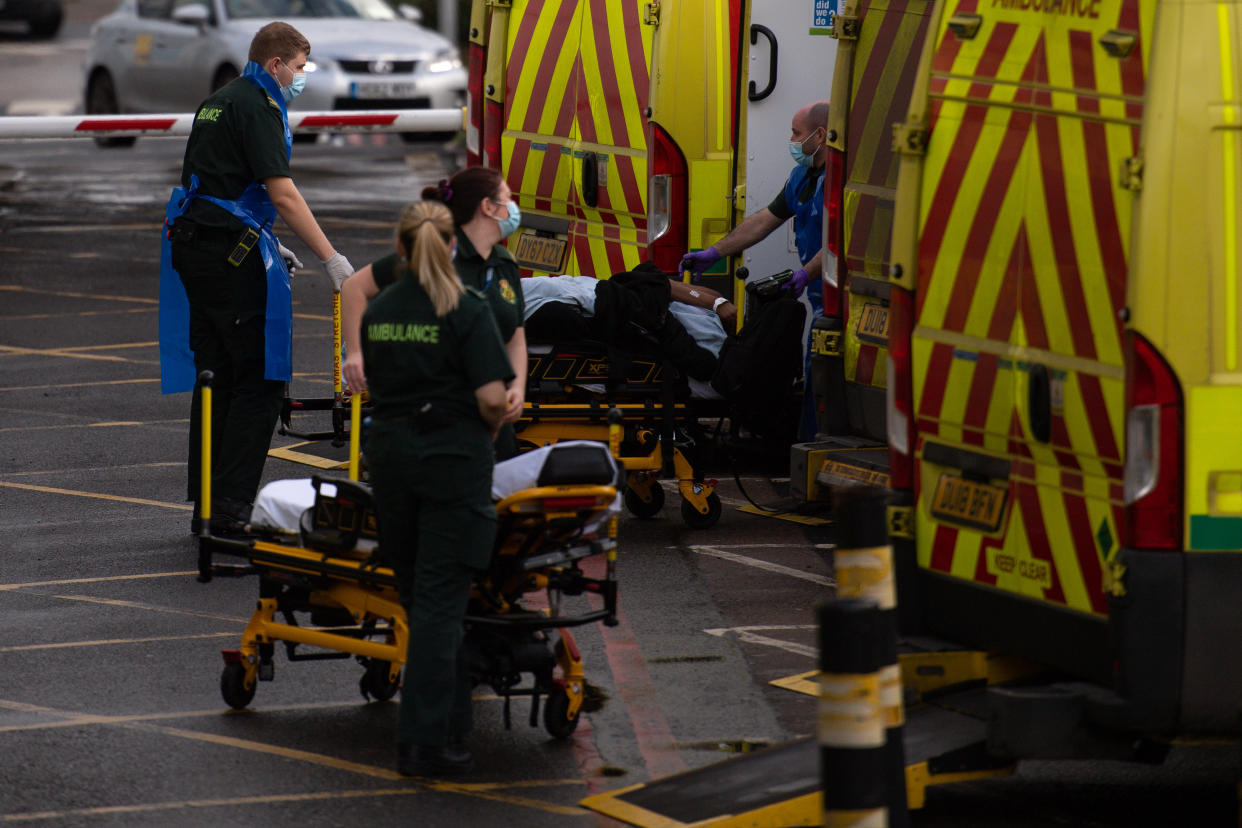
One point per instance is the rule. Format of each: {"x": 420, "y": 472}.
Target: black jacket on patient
{"x": 631, "y": 318}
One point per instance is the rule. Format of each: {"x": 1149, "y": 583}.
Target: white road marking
{"x": 45, "y": 107}
{"x": 750, "y": 636}
{"x": 718, "y": 552}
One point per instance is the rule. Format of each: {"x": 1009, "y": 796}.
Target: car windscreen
{"x": 282, "y": 9}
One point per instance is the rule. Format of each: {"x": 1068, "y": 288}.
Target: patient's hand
{"x": 355, "y": 377}
{"x": 515, "y": 396}
{"x": 728, "y": 315}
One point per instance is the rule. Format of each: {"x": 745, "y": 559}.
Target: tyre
{"x": 696, "y": 519}
{"x": 556, "y": 715}
{"x": 233, "y": 686}
{"x": 641, "y": 508}
{"x": 47, "y": 24}
{"x": 101, "y": 100}
{"x": 375, "y": 683}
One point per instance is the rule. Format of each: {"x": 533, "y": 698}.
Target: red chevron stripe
{"x": 1056, "y": 204}
{"x": 1097, "y": 414}
{"x": 982, "y": 575}
{"x": 613, "y": 107}
{"x": 988, "y": 212}
{"x": 624, "y": 167}
{"x": 867, "y": 84}
{"x": 1085, "y": 552}
{"x": 551, "y": 51}
{"x": 515, "y": 170}
{"x": 640, "y": 77}
{"x": 936, "y": 382}
{"x": 950, "y": 44}
{"x": 864, "y": 372}
{"x": 1001, "y": 325}
{"x": 521, "y": 46}
{"x": 1132, "y": 81}
{"x": 1037, "y": 538}
{"x": 860, "y": 232}
{"x": 979, "y": 399}
{"x": 1018, "y": 446}
{"x": 1061, "y": 437}
{"x": 1028, "y": 296}
{"x": 616, "y": 257}
{"x": 942, "y": 548}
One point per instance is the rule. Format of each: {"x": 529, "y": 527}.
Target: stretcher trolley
{"x": 325, "y": 586}
{"x": 572, "y": 388}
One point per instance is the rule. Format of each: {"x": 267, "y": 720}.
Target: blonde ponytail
{"x": 424, "y": 233}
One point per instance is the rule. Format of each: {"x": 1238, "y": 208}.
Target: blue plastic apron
{"x": 809, "y": 236}
{"x": 254, "y": 209}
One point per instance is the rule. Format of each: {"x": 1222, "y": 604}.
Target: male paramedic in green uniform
{"x": 220, "y": 254}
{"x": 437, "y": 371}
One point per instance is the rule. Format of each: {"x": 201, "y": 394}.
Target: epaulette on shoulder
{"x": 272, "y": 102}
{"x": 475, "y": 292}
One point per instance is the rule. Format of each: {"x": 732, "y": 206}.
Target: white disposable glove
{"x": 339, "y": 269}
{"x": 291, "y": 260}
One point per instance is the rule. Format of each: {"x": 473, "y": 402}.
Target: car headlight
{"x": 445, "y": 61}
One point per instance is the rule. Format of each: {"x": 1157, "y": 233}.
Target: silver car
{"x": 168, "y": 55}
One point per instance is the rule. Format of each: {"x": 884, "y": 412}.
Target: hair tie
{"x": 446, "y": 192}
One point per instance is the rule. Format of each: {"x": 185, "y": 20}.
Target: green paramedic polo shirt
{"x": 413, "y": 357}
{"x": 237, "y": 137}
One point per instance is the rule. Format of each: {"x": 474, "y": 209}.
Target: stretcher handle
{"x": 204, "y": 481}
{"x": 355, "y": 432}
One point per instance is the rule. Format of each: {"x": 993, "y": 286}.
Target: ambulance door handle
{"x": 757, "y": 29}
{"x": 590, "y": 179}
{"x": 1040, "y": 402}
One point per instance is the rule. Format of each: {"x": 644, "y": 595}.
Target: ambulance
{"x": 631, "y": 130}
{"x": 1064, "y": 370}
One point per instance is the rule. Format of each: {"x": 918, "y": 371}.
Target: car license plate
{"x": 381, "y": 90}
{"x": 873, "y": 324}
{"x": 976, "y": 505}
{"x": 540, "y": 252}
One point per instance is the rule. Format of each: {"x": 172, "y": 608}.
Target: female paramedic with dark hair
{"x": 437, "y": 372}
{"x": 484, "y": 214}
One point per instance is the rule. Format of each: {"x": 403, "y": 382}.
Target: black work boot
{"x": 434, "y": 760}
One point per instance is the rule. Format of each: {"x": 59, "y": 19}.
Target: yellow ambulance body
{"x": 611, "y": 163}
{"x": 1064, "y": 381}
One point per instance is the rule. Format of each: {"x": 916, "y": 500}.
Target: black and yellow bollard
{"x": 851, "y": 724}
{"x": 863, "y": 564}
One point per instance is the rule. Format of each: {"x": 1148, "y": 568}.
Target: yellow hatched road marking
{"x": 78, "y": 295}
{"x": 99, "y": 580}
{"x": 96, "y": 495}
{"x": 1225, "y": 31}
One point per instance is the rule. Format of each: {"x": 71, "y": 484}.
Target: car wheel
{"x": 101, "y": 100}
{"x": 47, "y": 24}
{"x": 224, "y": 74}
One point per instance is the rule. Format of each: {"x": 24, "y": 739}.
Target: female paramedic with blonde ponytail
{"x": 437, "y": 373}
{"x": 484, "y": 214}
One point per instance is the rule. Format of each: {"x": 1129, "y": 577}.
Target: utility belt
{"x": 426, "y": 418}
{"x": 189, "y": 232}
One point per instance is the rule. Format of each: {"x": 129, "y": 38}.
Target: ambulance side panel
{"x": 1176, "y": 611}
{"x": 1020, "y": 283}
{"x": 879, "y": 73}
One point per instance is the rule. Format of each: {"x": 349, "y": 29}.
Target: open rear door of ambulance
{"x": 1010, "y": 248}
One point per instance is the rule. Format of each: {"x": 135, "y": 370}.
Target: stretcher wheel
{"x": 696, "y": 519}
{"x": 375, "y": 683}
{"x": 641, "y": 508}
{"x": 556, "y": 715}
{"x": 233, "y": 686}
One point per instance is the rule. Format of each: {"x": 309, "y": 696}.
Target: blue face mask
{"x": 799, "y": 156}
{"x": 509, "y": 224}
{"x": 294, "y": 89}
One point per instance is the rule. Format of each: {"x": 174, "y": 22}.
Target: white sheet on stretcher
{"x": 281, "y": 503}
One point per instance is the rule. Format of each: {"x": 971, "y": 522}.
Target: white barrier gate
{"x": 172, "y": 125}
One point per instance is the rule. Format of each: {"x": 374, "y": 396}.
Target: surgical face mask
{"x": 295, "y": 88}
{"x": 800, "y": 157}
{"x": 509, "y": 224}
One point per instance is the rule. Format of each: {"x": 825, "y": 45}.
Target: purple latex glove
{"x": 700, "y": 261}
{"x": 797, "y": 282}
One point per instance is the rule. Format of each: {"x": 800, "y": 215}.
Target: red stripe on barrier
{"x": 113, "y": 124}
{"x": 346, "y": 120}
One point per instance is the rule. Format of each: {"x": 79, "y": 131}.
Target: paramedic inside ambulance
{"x": 801, "y": 199}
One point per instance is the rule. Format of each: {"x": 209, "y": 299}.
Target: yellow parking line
{"x": 104, "y": 642}
{"x": 116, "y": 602}
{"x": 114, "y": 424}
{"x": 15, "y": 351}
{"x": 100, "y": 579}
{"x": 78, "y": 384}
{"x": 25, "y": 317}
{"x": 184, "y": 507}
{"x": 78, "y": 295}
{"x": 84, "y": 469}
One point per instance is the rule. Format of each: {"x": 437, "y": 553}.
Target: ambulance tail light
{"x": 1154, "y": 445}
{"x": 474, "y": 104}
{"x": 834, "y": 233}
{"x": 900, "y": 390}
{"x": 667, "y": 201}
